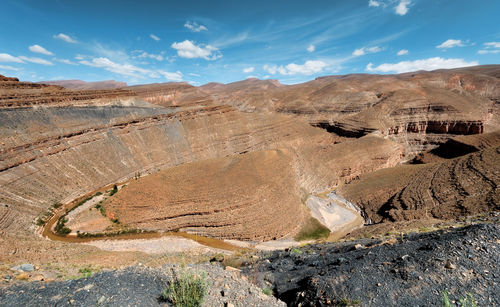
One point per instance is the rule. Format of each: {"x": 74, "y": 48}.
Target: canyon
{"x": 243, "y": 163}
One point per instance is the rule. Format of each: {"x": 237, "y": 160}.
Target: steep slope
{"x": 447, "y": 189}
{"x": 419, "y": 110}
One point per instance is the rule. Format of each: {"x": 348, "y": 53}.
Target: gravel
{"x": 413, "y": 270}
{"x": 136, "y": 286}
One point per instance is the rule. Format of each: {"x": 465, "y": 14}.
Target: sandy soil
{"x": 155, "y": 246}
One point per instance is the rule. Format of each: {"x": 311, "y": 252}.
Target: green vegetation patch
{"x": 186, "y": 289}
{"x": 312, "y": 230}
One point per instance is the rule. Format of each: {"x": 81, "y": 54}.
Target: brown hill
{"x": 448, "y": 189}
{"x": 419, "y": 110}
{"x": 83, "y": 85}
{"x": 236, "y": 197}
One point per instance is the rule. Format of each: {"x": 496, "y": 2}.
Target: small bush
{"x": 85, "y": 272}
{"x": 61, "y": 228}
{"x": 40, "y": 222}
{"x": 466, "y": 301}
{"x": 56, "y": 205}
{"x": 267, "y": 291}
{"x": 186, "y": 290}
{"x": 113, "y": 192}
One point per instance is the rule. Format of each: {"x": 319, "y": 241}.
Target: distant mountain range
{"x": 82, "y": 85}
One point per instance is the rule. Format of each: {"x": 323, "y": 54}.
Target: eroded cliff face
{"x": 54, "y": 155}
{"x": 57, "y": 144}
{"x": 418, "y": 110}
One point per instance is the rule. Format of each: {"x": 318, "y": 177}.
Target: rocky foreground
{"x": 412, "y": 270}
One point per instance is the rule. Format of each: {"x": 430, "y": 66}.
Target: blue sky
{"x": 225, "y": 41}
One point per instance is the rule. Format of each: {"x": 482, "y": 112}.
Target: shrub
{"x": 186, "y": 290}
{"x": 113, "y": 192}
{"x": 466, "y": 301}
{"x": 267, "y": 291}
{"x": 61, "y": 228}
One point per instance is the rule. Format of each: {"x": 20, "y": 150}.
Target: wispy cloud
{"x": 364, "y": 50}
{"x": 65, "y": 61}
{"x": 39, "y": 49}
{"x": 122, "y": 69}
{"x": 144, "y": 54}
{"x": 402, "y": 52}
{"x": 156, "y": 38}
{"x": 451, "y": 43}
{"x": 425, "y": 64}
{"x": 7, "y": 67}
{"x": 373, "y": 3}
{"x": 131, "y": 70}
{"x": 194, "y": 26}
{"x": 65, "y": 38}
{"x": 5, "y": 57}
{"x": 402, "y": 8}
{"x": 248, "y": 70}
{"x": 171, "y": 76}
{"x": 490, "y": 48}
{"x": 311, "y": 48}
{"x": 36, "y": 60}
{"x": 189, "y": 50}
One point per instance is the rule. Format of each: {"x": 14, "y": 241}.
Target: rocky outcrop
{"x": 427, "y": 108}
{"x": 412, "y": 270}
{"x": 446, "y": 189}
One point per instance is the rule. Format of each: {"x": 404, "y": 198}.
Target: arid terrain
{"x": 95, "y": 175}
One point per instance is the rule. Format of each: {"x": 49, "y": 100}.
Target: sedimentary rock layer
{"x": 456, "y": 187}
{"x": 253, "y": 196}
{"x": 92, "y": 147}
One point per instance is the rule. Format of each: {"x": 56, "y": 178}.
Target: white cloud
{"x": 451, "y": 43}
{"x": 65, "y": 38}
{"x": 425, "y": 64}
{"x": 156, "y": 38}
{"x": 187, "y": 49}
{"x": 194, "y": 75}
{"x": 373, "y": 3}
{"x": 157, "y": 57}
{"x": 5, "y": 57}
{"x": 36, "y": 60}
{"x": 492, "y": 45}
{"x": 275, "y": 69}
{"x": 65, "y": 61}
{"x": 171, "y": 76}
{"x": 402, "y": 7}
{"x": 402, "y": 52}
{"x": 194, "y": 26}
{"x": 7, "y": 67}
{"x": 363, "y": 51}
{"x": 489, "y": 51}
{"x": 311, "y": 48}
{"x": 490, "y": 48}
{"x": 131, "y": 70}
{"x": 122, "y": 69}
{"x": 308, "y": 68}
{"x": 248, "y": 70}
{"x": 39, "y": 49}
